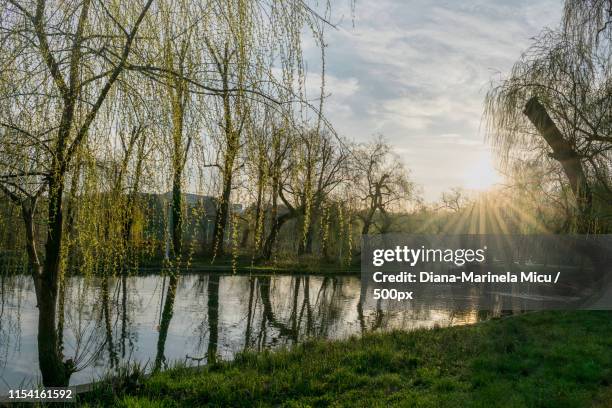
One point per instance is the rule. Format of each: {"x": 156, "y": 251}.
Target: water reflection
{"x": 195, "y": 319}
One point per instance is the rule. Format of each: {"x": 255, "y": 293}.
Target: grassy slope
{"x": 548, "y": 359}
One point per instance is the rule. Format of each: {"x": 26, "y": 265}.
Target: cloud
{"x": 340, "y": 91}
{"x": 417, "y": 71}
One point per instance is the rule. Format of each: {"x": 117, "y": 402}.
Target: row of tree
{"x": 102, "y": 102}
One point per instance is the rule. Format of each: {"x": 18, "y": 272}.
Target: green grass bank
{"x": 245, "y": 265}
{"x": 543, "y": 359}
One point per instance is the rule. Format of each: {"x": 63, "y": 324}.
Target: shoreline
{"x": 534, "y": 359}
{"x": 243, "y": 269}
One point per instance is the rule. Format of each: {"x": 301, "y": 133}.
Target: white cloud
{"x": 417, "y": 71}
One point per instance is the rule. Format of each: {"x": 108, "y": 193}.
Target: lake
{"x": 213, "y": 315}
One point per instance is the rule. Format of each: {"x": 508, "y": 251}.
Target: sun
{"x": 481, "y": 174}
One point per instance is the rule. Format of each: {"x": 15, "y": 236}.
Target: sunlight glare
{"x": 481, "y": 175}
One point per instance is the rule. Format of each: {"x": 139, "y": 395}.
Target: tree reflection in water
{"x": 200, "y": 318}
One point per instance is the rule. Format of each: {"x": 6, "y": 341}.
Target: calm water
{"x": 220, "y": 314}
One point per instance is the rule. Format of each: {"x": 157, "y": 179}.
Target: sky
{"x": 417, "y": 71}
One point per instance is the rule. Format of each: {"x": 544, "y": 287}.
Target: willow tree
{"x": 305, "y": 168}
{"x": 66, "y": 57}
{"x": 556, "y": 106}
{"x": 255, "y": 51}
{"x": 324, "y": 169}
{"x": 239, "y": 45}
{"x": 178, "y": 52}
{"x": 232, "y": 111}
{"x": 381, "y": 184}
{"x": 276, "y": 159}
{"x": 231, "y": 70}
{"x": 257, "y": 182}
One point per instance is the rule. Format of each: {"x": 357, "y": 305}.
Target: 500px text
{"x": 465, "y": 277}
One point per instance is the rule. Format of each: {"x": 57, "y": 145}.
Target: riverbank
{"x": 552, "y": 359}
{"x": 225, "y": 265}
{"x": 245, "y": 265}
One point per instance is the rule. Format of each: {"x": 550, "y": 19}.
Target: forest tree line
{"x": 104, "y": 102}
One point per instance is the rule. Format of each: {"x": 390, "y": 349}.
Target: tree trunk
{"x": 223, "y": 210}
{"x": 258, "y": 209}
{"x": 55, "y": 373}
{"x": 565, "y": 154}
{"x": 305, "y": 243}
{"x": 177, "y": 215}
{"x": 232, "y": 139}
{"x": 269, "y": 242}
{"x": 271, "y": 239}
{"x": 367, "y": 222}
{"x": 130, "y": 208}
{"x": 221, "y": 219}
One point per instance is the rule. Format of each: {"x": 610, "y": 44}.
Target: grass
{"x": 544, "y": 359}
{"x": 245, "y": 265}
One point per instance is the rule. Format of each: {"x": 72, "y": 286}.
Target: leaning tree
{"x": 556, "y": 106}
